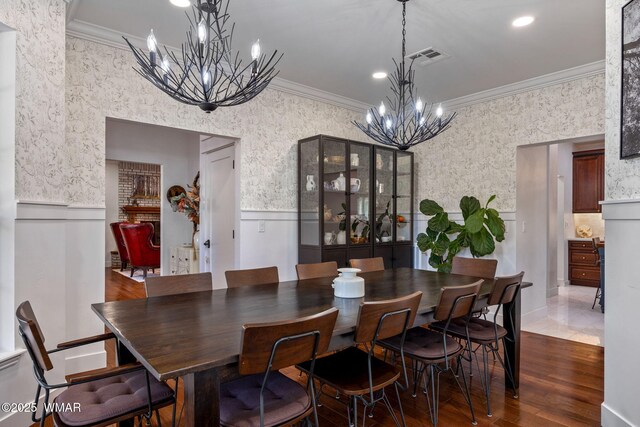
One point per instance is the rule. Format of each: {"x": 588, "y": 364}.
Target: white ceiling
{"x": 335, "y": 45}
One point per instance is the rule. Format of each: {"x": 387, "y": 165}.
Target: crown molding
{"x": 106, "y": 36}
{"x": 540, "y": 82}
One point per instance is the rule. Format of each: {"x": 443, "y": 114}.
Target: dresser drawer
{"x": 585, "y": 273}
{"x": 583, "y": 258}
{"x": 578, "y": 244}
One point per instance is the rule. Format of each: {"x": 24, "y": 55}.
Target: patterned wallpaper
{"x": 40, "y": 143}
{"x": 622, "y": 177}
{"x": 477, "y": 156}
{"x": 101, "y": 83}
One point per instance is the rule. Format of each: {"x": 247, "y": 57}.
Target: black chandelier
{"x": 207, "y": 73}
{"x": 410, "y": 121}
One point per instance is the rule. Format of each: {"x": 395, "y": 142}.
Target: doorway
{"x": 548, "y": 231}
{"x": 219, "y": 202}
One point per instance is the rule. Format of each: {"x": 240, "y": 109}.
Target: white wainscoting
{"x": 59, "y": 268}
{"x": 622, "y": 291}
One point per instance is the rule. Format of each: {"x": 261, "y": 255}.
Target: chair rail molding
{"x": 10, "y": 358}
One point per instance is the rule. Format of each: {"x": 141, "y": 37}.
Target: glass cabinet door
{"x": 359, "y": 186}
{"x": 403, "y": 197}
{"x": 335, "y": 189}
{"x": 309, "y": 192}
{"x": 383, "y": 189}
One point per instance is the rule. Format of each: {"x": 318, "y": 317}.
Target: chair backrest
{"x": 387, "y": 318}
{"x": 137, "y": 238}
{"x": 313, "y": 271}
{"x": 457, "y": 301}
{"x": 117, "y": 235}
{"x": 32, "y": 336}
{"x": 476, "y": 267}
{"x": 285, "y": 343}
{"x": 368, "y": 264}
{"x": 180, "y": 284}
{"x": 505, "y": 289}
{"x": 254, "y": 276}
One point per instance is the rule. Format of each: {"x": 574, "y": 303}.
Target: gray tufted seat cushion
{"x": 423, "y": 343}
{"x": 480, "y": 330}
{"x": 284, "y": 399}
{"x": 110, "y": 397}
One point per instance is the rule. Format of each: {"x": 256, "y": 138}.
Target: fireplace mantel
{"x": 132, "y": 211}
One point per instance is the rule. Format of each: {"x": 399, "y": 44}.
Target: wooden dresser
{"x": 583, "y": 267}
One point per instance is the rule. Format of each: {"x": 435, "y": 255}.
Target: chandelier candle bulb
{"x": 382, "y": 109}
{"x": 202, "y": 31}
{"x": 152, "y": 45}
{"x": 369, "y": 118}
{"x": 419, "y": 105}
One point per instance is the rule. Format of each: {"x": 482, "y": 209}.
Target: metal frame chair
{"x": 455, "y": 303}
{"x": 391, "y": 317}
{"x": 33, "y": 338}
{"x": 268, "y": 347}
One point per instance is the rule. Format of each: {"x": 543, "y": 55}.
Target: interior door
{"x": 221, "y": 209}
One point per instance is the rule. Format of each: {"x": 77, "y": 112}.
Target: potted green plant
{"x": 482, "y": 227}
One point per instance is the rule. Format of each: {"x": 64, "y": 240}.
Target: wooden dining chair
{"x": 597, "y": 250}
{"x": 158, "y": 286}
{"x": 476, "y": 267}
{"x": 359, "y": 374}
{"x": 254, "y": 276}
{"x": 106, "y": 396}
{"x": 263, "y": 396}
{"x": 320, "y": 269}
{"x": 368, "y": 264}
{"x": 430, "y": 349}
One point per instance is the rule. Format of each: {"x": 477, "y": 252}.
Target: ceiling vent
{"x": 427, "y": 56}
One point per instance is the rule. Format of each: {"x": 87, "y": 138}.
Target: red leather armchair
{"x": 142, "y": 253}
{"x": 122, "y": 249}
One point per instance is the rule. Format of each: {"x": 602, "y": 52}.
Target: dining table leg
{"x": 511, "y": 320}
{"x": 201, "y": 398}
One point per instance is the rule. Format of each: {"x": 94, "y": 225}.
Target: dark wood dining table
{"x": 197, "y": 335}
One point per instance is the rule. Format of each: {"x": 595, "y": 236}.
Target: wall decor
{"x": 146, "y": 187}
{"x": 630, "y": 117}
{"x": 175, "y": 190}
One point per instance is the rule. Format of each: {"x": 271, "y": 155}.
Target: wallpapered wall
{"x": 477, "y": 156}
{"x": 622, "y": 179}
{"x": 40, "y": 144}
{"x": 101, "y": 83}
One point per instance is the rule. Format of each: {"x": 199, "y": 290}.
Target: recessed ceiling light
{"x": 380, "y": 75}
{"x": 181, "y": 3}
{"x": 523, "y": 21}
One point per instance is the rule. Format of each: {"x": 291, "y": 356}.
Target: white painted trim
{"x": 10, "y": 358}
{"x": 533, "y": 316}
{"x": 621, "y": 209}
{"x": 275, "y": 215}
{"x": 610, "y": 418}
{"x": 85, "y": 362}
{"x": 551, "y": 79}
{"x": 106, "y": 36}
{"x": 56, "y": 211}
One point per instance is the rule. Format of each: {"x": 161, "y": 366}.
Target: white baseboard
{"x": 552, "y": 292}
{"x": 610, "y": 418}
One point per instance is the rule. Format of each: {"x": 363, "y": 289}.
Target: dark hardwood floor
{"x": 562, "y": 384}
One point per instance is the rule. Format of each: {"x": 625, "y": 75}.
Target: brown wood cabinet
{"x": 588, "y": 181}
{"x": 583, "y": 266}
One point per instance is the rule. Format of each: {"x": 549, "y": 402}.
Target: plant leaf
{"x": 482, "y": 243}
{"x": 441, "y": 245}
{"x": 430, "y": 208}
{"x": 468, "y": 206}
{"x": 474, "y": 222}
{"x": 435, "y": 260}
{"x": 445, "y": 267}
{"x": 454, "y": 249}
{"x": 454, "y": 227}
{"x": 463, "y": 239}
{"x": 491, "y": 199}
{"x": 433, "y": 234}
{"x": 439, "y": 223}
{"x": 424, "y": 242}
{"x": 495, "y": 224}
